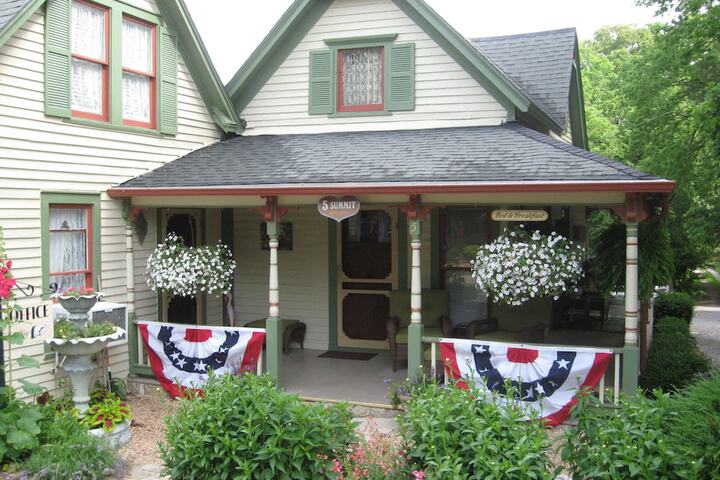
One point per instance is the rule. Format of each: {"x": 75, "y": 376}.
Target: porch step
{"x": 141, "y": 386}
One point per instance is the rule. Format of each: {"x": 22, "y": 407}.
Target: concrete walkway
{"x": 705, "y": 326}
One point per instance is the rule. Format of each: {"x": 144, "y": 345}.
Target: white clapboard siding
{"x": 446, "y": 95}
{"x": 40, "y": 153}
{"x": 303, "y": 273}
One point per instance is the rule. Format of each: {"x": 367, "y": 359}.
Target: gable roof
{"x": 297, "y": 21}
{"x": 474, "y": 158}
{"x": 14, "y": 13}
{"x": 540, "y": 63}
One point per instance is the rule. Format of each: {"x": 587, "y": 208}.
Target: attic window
{"x": 360, "y": 79}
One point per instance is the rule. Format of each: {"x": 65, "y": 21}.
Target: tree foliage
{"x": 653, "y": 101}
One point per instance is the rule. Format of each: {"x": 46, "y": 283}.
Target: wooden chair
{"x": 435, "y": 319}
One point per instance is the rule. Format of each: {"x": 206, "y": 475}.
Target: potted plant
{"x": 78, "y": 302}
{"x": 108, "y": 417}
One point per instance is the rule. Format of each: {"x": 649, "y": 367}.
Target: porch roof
{"x": 510, "y": 157}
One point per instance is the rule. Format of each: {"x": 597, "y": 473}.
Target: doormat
{"x": 347, "y": 355}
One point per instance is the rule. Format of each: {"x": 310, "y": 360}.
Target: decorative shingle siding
{"x": 446, "y": 95}
{"x": 41, "y": 153}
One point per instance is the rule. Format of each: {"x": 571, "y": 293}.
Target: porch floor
{"x": 308, "y": 375}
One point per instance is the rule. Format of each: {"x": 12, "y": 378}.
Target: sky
{"x": 231, "y": 29}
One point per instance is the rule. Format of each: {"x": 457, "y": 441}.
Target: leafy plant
{"x": 68, "y": 330}
{"x": 695, "y": 427}
{"x": 106, "y": 411}
{"x": 449, "y": 434}
{"x": 376, "y": 456}
{"x": 245, "y": 427}
{"x": 518, "y": 266}
{"x": 674, "y": 304}
{"x": 625, "y": 443}
{"x": 78, "y": 292}
{"x": 67, "y": 451}
{"x": 19, "y": 429}
{"x": 673, "y": 360}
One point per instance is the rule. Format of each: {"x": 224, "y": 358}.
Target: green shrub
{"x": 674, "y": 304}
{"x": 696, "y": 426}
{"x": 625, "y": 443}
{"x": 449, "y": 434}
{"x": 673, "y": 360}
{"x": 67, "y": 451}
{"x": 245, "y": 427}
{"x": 19, "y": 429}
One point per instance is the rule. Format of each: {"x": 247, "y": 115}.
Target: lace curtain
{"x": 137, "y": 55}
{"x": 68, "y": 246}
{"x": 87, "y": 39}
{"x": 362, "y": 76}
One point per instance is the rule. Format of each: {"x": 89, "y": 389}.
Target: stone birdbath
{"x": 79, "y": 352}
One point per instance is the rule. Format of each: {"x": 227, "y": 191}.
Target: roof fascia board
{"x": 577, "y": 72}
{"x": 628, "y": 186}
{"x": 463, "y": 52}
{"x": 292, "y": 27}
{"x": 19, "y": 20}
{"x": 200, "y": 65}
{"x": 545, "y": 120}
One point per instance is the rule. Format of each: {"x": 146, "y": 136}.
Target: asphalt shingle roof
{"x": 540, "y": 63}
{"x": 507, "y": 153}
{"x": 8, "y": 10}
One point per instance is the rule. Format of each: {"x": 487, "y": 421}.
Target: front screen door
{"x": 366, "y": 274}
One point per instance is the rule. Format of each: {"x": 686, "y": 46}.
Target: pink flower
{"x": 418, "y": 475}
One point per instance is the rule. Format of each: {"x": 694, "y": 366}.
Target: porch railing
{"x": 605, "y": 396}
{"x": 139, "y": 362}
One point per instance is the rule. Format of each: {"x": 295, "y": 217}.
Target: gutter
{"x": 627, "y": 186}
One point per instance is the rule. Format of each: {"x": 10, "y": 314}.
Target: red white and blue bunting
{"x": 185, "y": 354}
{"x": 546, "y": 379}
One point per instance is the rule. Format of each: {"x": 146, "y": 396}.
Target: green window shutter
{"x": 167, "y": 122}
{"x": 321, "y": 82}
{"x": 57, "y": 58}
{"x": 401, "y": 79}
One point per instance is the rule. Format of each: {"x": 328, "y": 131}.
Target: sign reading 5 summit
{"x": 338, "y": 208}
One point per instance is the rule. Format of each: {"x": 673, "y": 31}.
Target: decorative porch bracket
{"x": 273, "y": 325}
{"x": 415, "y": 215}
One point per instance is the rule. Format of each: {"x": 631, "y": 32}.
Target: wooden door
{"x": 187, "y": 225}
{"x": 367, "y": 272}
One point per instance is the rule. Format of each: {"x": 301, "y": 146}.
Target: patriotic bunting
{"x": 546, "y": 379}
{"x": 185, "y": 354}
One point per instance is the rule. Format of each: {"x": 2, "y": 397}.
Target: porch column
{"x": 273, "y": 351}
{"x": 631, "y": 354}
{"x": 132, "y": 333}
{"x": 415, "y": 329}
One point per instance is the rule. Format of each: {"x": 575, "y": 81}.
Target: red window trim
{"x": 360, "y": 108}
{"x": 88, "y": 242}
{"x": 151, "y": 75}
{"x": 103, "y": 117}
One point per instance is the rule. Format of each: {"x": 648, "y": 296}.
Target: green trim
{"x": 464, "y": 53}
{"x": 332, "y": 284}
{"x": 111, "y": 126}
{"x": 415, "y": 350}
{"x": 141, "y": 371}
{"x": 133, "y": 343}
{"x": 356, "y": 42}
{"x": 402, "y": 247}
{"x": 69, "y": 198}
{"x": 577, "y": 114}
{"x": 630, "y": 369}
{"x": 227, "y": 236}
{"x": 360, "y": 114}
{"x": 19, "y": 20}
{"x": 435, "y": 270}
{"x": 292, "y": 27}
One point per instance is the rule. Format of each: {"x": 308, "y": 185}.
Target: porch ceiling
{"x": 500, "y": 159}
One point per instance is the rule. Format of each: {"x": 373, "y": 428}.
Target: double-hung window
{"x": 138, "y": 62}
{"x": 110, "y": 63}
{"x": 361, "y": 75}
{"x": 89, "y": 34}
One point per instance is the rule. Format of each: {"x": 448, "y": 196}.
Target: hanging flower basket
{"x": 519, "y": 266}
{"x": 188, "y": 271}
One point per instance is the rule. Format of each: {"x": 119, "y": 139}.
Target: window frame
{"x": 105, "y": 115}
{"x": 339, "y": 79}
{"x": 152, "y": 124}
{"x": 89, "y": 267}
{"x": 94, "y": 251}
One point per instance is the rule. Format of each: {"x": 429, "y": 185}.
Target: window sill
{"x": 360, "y": 114}
{"x": 112, "y": 126}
